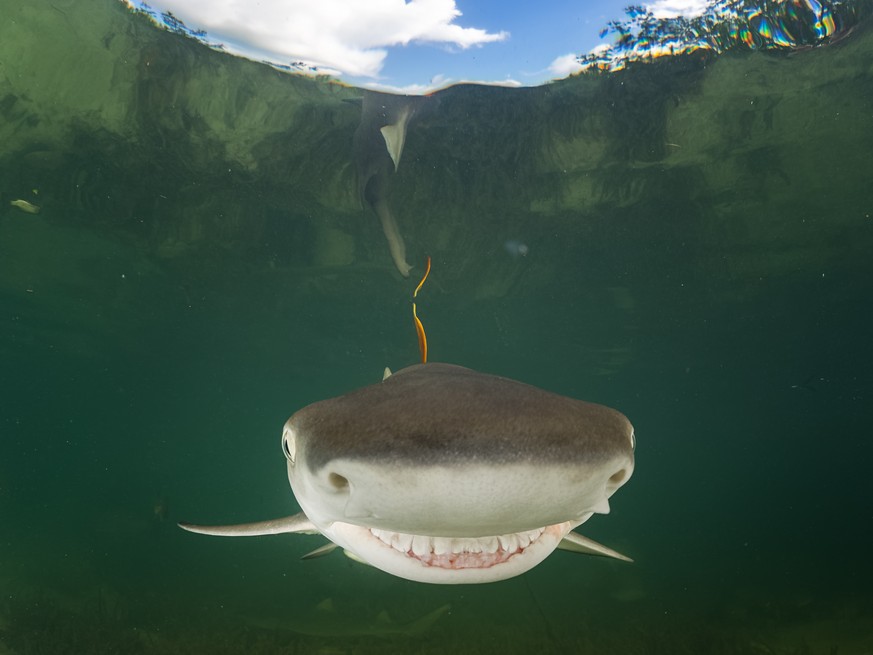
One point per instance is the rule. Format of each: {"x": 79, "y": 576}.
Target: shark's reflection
{"x": 378, "y": 148}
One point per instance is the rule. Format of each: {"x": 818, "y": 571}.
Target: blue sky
{"x": 538, "y": 34}
{"x": 413, "y": 45}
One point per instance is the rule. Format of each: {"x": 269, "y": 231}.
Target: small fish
{"x": 809, "y": 384}
{"x": 25, "y": 206}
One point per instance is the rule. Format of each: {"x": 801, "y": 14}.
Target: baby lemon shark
{"x": 445, "y": 475}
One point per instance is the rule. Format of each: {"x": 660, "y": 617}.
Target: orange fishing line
{"x": 419, "y": 328}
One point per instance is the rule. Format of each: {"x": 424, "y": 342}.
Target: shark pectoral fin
{"x": 297, "y": 523}
{"x": 576, "y": 543}
{"x": 320, "y": 552}
{"x": 386, "y": 374}
{"x": 352, "y": 556}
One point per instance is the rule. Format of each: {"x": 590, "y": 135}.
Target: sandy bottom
{"x": 109, "y": 622}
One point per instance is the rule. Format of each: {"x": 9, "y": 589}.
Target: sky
{"x": 414, "y": 46}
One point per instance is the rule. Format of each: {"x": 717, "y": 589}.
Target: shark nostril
{"x": 618, "y": 478}
{"x": 338, "y": 482}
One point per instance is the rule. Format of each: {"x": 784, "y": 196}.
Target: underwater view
{"x": 196, "y": 246}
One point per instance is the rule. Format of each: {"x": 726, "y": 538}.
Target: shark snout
{"x": 354, "y": 492}
{"x": 335, "y": 492}
{"x": 463, "y": 500}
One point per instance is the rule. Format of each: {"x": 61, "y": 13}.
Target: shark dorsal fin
{"x": 395, "y": 135}
{"x": 386, "y": 374}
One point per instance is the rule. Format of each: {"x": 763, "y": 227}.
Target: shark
{"x": 442, "y": 474}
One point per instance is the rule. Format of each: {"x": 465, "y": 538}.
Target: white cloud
{"x": 565, "y": 65}
{"x": 674, "y": 8}
{"x": 349, "y": 36}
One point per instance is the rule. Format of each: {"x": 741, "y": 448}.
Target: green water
{"x": 201, "y": 267}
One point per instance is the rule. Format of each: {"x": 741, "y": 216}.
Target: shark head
{"x": 442, "y": 474}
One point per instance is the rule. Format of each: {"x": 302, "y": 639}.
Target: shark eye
{"x": 289, "y": 444}
{"x": 633, "y": 440}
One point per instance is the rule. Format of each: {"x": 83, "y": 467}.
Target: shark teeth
{"x": 458, "y": 552}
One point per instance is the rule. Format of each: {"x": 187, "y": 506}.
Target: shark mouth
{"x": 457, "y": 553}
